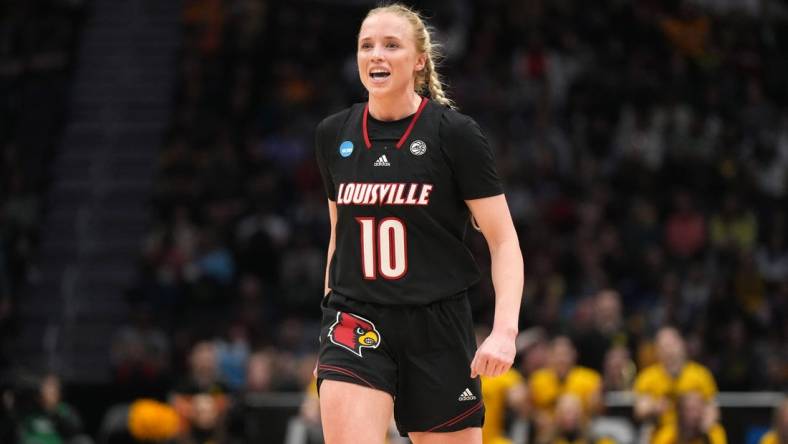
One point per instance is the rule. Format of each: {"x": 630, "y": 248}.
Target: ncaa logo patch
{"x": 353, "y": 333}
{"x": 346, "y": 148}
{"x": 418, "y": 147}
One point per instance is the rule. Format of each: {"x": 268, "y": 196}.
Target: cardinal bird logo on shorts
{"x": 354, "y": 333}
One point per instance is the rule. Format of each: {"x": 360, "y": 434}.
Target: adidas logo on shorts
{"x": 466, "y": 396}
{"x": 382, "y": 161}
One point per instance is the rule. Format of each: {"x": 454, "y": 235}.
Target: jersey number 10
{"x": 384, "y": 248}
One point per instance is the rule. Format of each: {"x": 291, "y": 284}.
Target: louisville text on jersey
{"x": 354, "y": 193}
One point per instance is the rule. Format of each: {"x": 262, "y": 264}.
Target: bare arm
{"x": 496, "y": 354}
{"x": 332, "y": 217}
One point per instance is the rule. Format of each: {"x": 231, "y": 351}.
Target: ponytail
{"x": 428, "y": 80}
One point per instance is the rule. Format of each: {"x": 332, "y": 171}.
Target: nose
{"x": 377, "y": 53}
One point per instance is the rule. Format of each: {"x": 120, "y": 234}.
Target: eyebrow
{"x": 385, "y": 37}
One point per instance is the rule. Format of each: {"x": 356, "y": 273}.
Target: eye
{"x": 359, "y": 331}
{"x": 365, "y": 45}
{"x": 392, "y": 45}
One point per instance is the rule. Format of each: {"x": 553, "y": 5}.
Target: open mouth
{"x": 379, "y": 74}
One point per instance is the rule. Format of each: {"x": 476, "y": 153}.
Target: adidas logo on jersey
{"x": 382, "y": 161}
{"x": 466, "y": 396}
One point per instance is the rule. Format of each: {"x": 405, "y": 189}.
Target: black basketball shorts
{"x": 420, "y": 354}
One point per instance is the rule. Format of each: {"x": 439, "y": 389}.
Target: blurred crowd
{"x": 37, "y": 50}
{"x": 644, "y": 149}
{"x": 644, "y": 146}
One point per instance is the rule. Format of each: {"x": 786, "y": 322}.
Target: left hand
{"x": 495, "y": 356}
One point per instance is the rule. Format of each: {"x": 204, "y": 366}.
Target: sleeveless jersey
{"x": 400, "y": 188}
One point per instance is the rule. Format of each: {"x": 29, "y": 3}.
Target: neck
{"x": 675, "y": 369}
{"x": 395, "y": 107}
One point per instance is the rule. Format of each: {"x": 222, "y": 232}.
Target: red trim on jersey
{"x": 458, "y": 418}
{"x": 404, "y": 137}
{"x": 346, "y": 372}
{"x": 412, "y": 122}
{"x": 364, "y": 126}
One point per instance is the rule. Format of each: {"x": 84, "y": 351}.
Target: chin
{"x": 378, "y": 88}
{"x": 385, "y": 90}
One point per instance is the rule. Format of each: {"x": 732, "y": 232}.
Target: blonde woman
{"x": 404, "y": 174}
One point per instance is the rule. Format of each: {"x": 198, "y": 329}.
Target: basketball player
{"x": 404, "y": 173}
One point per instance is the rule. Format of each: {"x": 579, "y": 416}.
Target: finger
{"x": 479, "y": 366}
{"x": 474, "y": 372}
{"x": 486, "y": 366}
{"x": 494, "y": 368}
{"x": 503, "y": 366}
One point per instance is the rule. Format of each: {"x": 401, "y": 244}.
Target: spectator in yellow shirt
{"x": 562, "y": 376}
{"x": 500, "y": 393}
{"x": 571, "y": 425}
{"x": 658, "y": 386}
{"x": 779, "y": 432}
{"x": 693, "y": 426}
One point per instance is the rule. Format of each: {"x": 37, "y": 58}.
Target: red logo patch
{"x": 354, "y": 333}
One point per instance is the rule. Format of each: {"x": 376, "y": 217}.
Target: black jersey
{"x": 400, "y": 188}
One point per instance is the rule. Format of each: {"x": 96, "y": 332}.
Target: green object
{"x": 39, "y": 429}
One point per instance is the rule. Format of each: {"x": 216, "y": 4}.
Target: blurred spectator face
{"x": 562, "y": 355}
{"x": 671, "y": 350}
{"x": 203, "y": 361}
{"x": 386, "y": 42}
{"x": 534, "y": 350}
{"x": 206, "y": 412}
{"x": 607, "y": 311}
{"x": 50, "y": 392}
{"x": 584, "y": 317}
{"x": 259, "y": 372}
{"x": 617, "y": 368}
{"x": 569, "y": 414}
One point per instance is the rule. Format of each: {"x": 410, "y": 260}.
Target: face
{"x": 205, "y": 411}
{"x": 259, "y": 372}
{"x": 569, "y": 413}
{"x": 608, "y": 310}
{"x": 670, "y": 349}
{"x": 50, "y": 392}
{"x": 387, "y": 56}
{"x": 563, "y": 355}
{"x": 203, "y": 359}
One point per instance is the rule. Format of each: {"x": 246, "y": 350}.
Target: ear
{"x": 421, "y": 62}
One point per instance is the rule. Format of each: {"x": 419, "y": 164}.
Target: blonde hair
{"x": 428, "y": 80}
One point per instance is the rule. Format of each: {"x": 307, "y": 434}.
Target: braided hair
{"x": 428, "y": 80}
